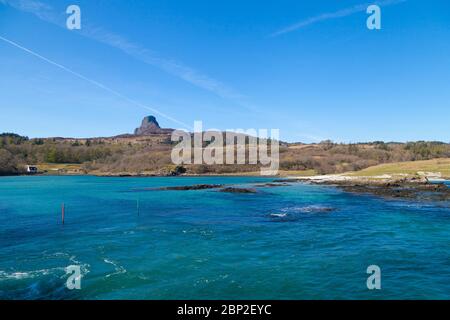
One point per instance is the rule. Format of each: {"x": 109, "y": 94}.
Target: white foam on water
{"x": 308, "y": 209}
{"x": 279, "y": 215}
{"x": 118, "y": 268}
{"x": 19, "y": 275}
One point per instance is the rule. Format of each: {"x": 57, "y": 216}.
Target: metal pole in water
{"x": 63, "y": 209}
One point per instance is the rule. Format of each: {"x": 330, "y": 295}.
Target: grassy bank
{"x": 425, "y": 167}
{"x": 438, "y": 166}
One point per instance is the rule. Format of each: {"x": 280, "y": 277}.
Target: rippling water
{"x": 290, "y": 242}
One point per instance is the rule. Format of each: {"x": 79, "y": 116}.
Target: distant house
{"x": 32, "y": 169}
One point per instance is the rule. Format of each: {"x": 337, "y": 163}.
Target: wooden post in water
{"x": 137, "y": 206}
{"x": 63, "y": 209}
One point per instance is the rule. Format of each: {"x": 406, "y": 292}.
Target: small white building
{"x": 32, "y": 169}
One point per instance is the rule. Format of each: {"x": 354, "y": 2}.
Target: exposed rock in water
{"x": 271, "y": 184}
{"x": 288, "y": 180}
{"x": 193, "y": 187}
{"x": 414, "y": 189}
{"x": 149, "y": 126}
{"x": 238, "y": 190}
{"x": 312, "y": 209}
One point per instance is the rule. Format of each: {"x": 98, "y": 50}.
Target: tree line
{"x": 153, "y": 154}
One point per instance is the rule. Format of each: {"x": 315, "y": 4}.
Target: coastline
{"x": 282, "y": 173}
{"x": 405, "y": 187}
{"x": 400, "y": 186}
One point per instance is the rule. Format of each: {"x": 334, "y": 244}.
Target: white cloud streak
{"x": 172, "y": 67}
{"x": 95, "y": 83}
{"x": 333, "y": 15}
{"x": 46, "y": 13}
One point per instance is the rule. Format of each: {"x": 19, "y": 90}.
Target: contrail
{"x": 334, "y": 15}
{"x": 98, "y": 84}
{"x": 47, "y": 13}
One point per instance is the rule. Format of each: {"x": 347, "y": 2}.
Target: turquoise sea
{"x": 291, "y": 242}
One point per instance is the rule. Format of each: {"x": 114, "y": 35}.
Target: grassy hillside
{"x": 441, "y": 166}
{"x": 151, "y": 154}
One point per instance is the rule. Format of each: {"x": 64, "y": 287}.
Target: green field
{"x": 441, "y": 166}
{"x": 59, "y": 168}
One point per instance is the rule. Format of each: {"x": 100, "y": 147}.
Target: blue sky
{"x": 310, "y": 68}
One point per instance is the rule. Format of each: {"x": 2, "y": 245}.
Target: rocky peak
{"x": 149, "y": 125}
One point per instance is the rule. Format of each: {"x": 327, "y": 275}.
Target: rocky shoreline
{"x": 406, "y": 187}
{"x": 410, "y": 188}
{"x": 218, "y": 187}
